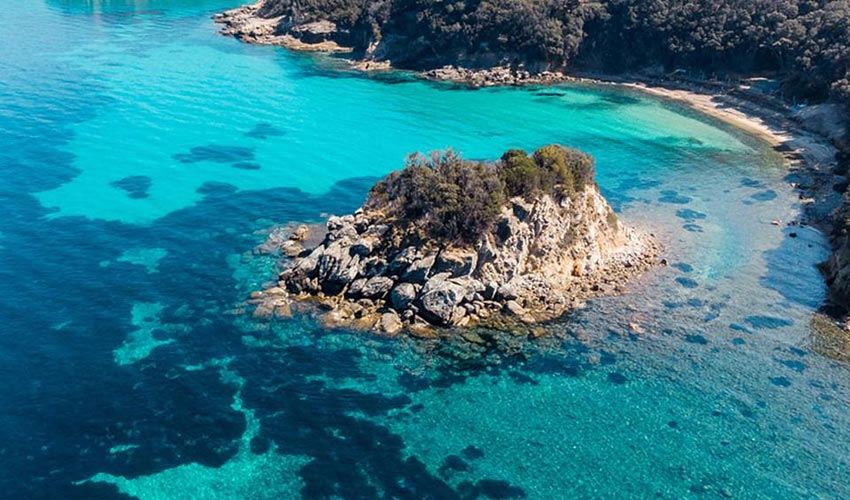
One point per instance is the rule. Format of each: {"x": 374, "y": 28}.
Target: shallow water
{"x": 142, "y": 159}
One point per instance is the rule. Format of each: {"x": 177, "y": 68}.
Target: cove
{"x": 144, "y": 157}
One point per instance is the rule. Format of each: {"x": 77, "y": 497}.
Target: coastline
{"x": 811, "y": 139}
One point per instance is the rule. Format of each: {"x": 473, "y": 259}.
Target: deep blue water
{"x": 144, "y": 157}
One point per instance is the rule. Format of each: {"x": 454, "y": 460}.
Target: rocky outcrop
{"x": 541, "y": 259}
{"x": 495, "y": 76}
{"x": 251, "y": 24}
{"x": 271, "y": 23}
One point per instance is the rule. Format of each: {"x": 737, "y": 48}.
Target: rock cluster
{"x": 246, "y": 24}
{"x": 541, "y": 259}
{"x": 495, "y": 76}
{"x": 251, "y": 24}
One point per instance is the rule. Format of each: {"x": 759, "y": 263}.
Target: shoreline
{"x": 810, "y": 139}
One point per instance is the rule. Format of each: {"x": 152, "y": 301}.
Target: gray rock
{"x": 507, "y": 292}
{"x": 362, "y": 247}
{"x": 355, "y": 290}
{"x": 456, "y": 262}
{"x": 315, "y": 32}
{"x": 439, "y": 300}
{"x": 337, "y": 268}
{"x": 402, "y": 296}
{"x": 490, "y": 290}
{"x": 402, "y": 260}
{"x": 419, "y": 269}
{"x": 376, "y": 287}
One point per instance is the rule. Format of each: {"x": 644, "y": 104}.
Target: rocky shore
{"x": 249, "y": 24}
{"x": 256, "y": 24}
{"x": 813, "y": 138}
{"x": 539, "y": 259}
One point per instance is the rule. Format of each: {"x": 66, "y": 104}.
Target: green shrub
{"x": 448, "y": 198}
{"x": 443, "y": 195}
{"x": 519, "y": 174}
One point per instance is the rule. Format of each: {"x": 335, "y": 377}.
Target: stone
{"x": 300, "y": 233}
{"x": 376, "y": 287}
{"x": 402, "y": 296}
{"x": 514, "y": 308}
{"x": 356, "y": 288}
{"x": 315, "y": 32}
{"x": 362, "y": 247}
{"x": 291, "y": 248}
{"x": 456, "y": 262}
{"x": 439, "y": 299}
{"x": 419, "y": 269}
{"x": 402, "y": 260}
{"x": 391, "y": 323}
{"x": 507, "y": 292}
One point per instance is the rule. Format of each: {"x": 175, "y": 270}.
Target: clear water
{"x": 143, "y": 157}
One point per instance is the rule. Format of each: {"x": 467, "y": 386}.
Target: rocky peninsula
{"x": 447, "y": 242}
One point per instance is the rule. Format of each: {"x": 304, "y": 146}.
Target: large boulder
{"x": 439, "y": 300}
{"x": 419, "y": 269}
{"x": 456, "y": 262}
{"x": 402, "y": 296}
{"x": 337, "y": 268}
{"x": 376, "y": 287}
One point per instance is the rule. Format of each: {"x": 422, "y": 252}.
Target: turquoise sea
{"x": 143, "y": 157}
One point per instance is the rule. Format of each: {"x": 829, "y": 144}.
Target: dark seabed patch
{"x": 765, "y": 195}
{"x": 780, "y": 381}
{"x": 752, "y": 183}
{"x": 498, "y": 490}
{"x": 674, "y": 198}
{"x": 739, "y": 328}
{"x": 685, "y": 268}
{"x": 797, "y": 366}
{"x": 136, "y": 186}
{"x": 617, "y": 378}
{"x": 690, "y": 215}
{"x": 246, "y": 165}
{"x": 216, "y": 153}
{"x": 216, "y": 188}
{"x": 696, "y": 339}
{"x": 687, "y": 283}
{"x": 767, "y": 322}
{"x": 264, "y": 131}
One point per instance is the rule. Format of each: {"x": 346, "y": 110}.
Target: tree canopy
{"x": 449, "y": 198}
{"x": 805, "y": 42}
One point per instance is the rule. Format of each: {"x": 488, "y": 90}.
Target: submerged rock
{"x": 532, "y": 259}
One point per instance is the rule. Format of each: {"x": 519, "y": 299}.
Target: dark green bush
{"x": 445, "y": 196}
{"x": 448, "y": 198}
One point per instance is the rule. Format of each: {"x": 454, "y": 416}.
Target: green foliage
{"x": 805, "y": 42}
{"x": 520, "y": 174}
{"x": 443, "y": 195}
{"x": 448, "y": 198}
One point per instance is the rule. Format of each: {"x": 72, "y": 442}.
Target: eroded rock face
{"x": 540, "y": 260}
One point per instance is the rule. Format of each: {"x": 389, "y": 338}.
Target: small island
{"x": 448, "y": 242}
